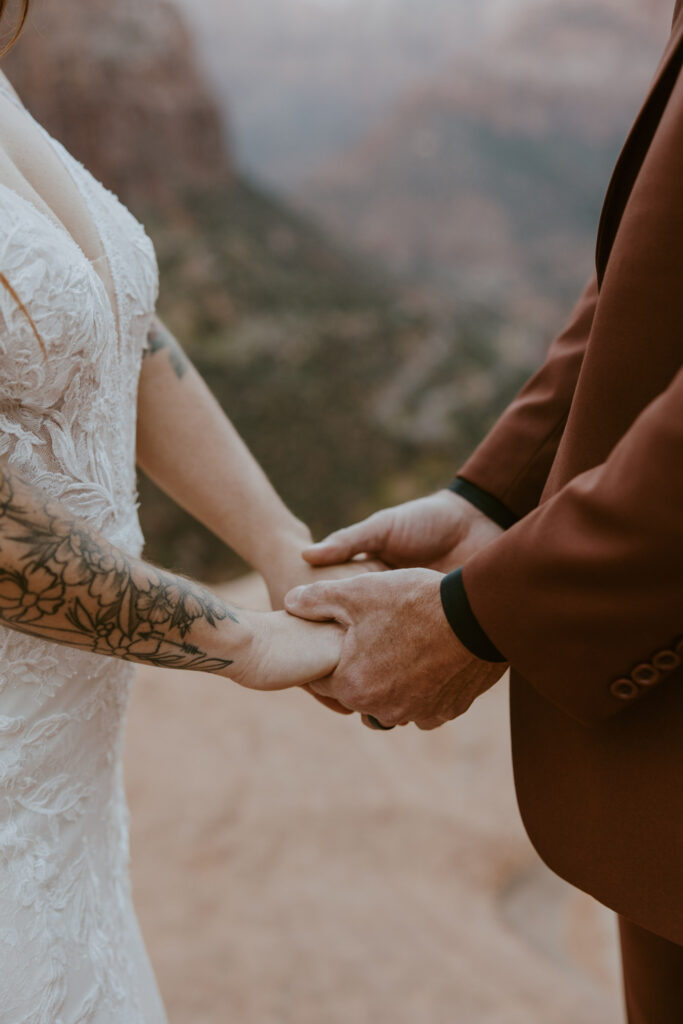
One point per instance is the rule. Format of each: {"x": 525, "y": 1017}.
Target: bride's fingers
{"x": 329, "y": 702}
{"x": 323, "y": 688}
{"x": 317, "y": 603}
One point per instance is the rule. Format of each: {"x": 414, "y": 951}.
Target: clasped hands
{"x": 400, "y": 660}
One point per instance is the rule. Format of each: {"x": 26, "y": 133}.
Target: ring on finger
{"x": 376, "y": 724}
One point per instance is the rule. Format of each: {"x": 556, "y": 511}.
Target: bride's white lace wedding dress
{"x": 70, "y": 947}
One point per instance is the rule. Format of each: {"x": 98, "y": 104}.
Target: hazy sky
{"x": 302, "y": 80}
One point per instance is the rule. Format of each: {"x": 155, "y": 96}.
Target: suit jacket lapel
{"x": 637, "y": 143}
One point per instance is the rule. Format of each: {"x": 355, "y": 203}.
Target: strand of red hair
{"x": 19, "y": 22}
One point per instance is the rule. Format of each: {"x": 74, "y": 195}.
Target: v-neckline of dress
{"x": 114, "y": 308}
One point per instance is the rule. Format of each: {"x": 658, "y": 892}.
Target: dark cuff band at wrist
{"x": 462, "y": 619}
{"x": 485, "y": 502}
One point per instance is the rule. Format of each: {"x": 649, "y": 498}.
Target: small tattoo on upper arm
{"x": 158, "y": 338}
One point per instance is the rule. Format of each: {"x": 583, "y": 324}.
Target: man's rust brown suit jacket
{"x": 583, "y": 595}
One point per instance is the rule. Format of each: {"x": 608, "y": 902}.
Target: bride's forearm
{"x": 62, "y": 581}
{"x": 187, "y": 445}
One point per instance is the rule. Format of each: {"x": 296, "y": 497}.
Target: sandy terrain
{"x": 293, "y": 867}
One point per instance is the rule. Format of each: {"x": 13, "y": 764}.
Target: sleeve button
{"x": 624, "y": 689}
{"x": 645, "y": 674}
{"x": 666, "y": 661}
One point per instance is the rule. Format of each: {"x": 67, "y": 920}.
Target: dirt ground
{"x": 293, "y": 867}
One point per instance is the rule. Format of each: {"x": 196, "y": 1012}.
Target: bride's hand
{"x": 289, "y": 570}
{"x": 284, "y": 651}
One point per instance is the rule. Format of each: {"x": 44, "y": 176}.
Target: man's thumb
{"x": 342, "y": 545}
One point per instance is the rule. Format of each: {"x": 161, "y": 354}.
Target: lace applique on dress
{"x": 70, "y": 948}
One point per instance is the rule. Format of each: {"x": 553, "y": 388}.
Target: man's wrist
{"x": 486, "y": 503}
{"x": 463, "y": 621}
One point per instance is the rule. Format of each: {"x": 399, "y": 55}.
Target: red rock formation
{"x": 118, "y": 84}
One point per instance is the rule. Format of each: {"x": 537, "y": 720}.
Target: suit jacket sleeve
{"x": 512, "y": 463}
{"x": 584, "y": 596}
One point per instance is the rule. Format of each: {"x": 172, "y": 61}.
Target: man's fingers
{"x": 366, "y": 536}
{"x": 317, "y": 602}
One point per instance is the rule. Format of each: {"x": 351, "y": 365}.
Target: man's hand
{"x": 401, "y": 661}
{"x": 438, "y": 532}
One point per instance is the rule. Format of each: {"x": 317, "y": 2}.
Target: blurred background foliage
{"x": 369, "y": 224}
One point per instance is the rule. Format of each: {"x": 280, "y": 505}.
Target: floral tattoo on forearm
{"x": 160, "y": 339}
{"x": 60, "y": 581}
